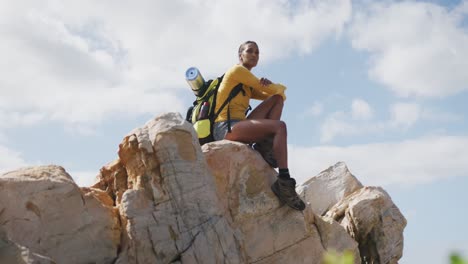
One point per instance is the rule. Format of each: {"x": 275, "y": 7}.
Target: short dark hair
{"x": 241, "y": 47}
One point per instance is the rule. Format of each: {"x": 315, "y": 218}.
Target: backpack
{"x": 202, "y": 114}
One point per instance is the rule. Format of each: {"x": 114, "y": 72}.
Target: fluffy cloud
{"x": 405, "y": 114}
{"x": 355, "y": 121}
{"x": 418, "y": 49}
{"x": 337, "y": 124}
{"x": 10, "y": 119}
{"x": 441, "y": 116}
{"x": 10, "y": 160}
{"x": 84, "y": 178}
{"x": 315, "y": 110}
{"x": 361, "y": 110}
{"x": 82, "y": 62}
{"x": 415, "y": 161}
{"x": 358, "y": 120}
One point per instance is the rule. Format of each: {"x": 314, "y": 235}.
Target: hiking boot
{"x": 285, "y": 190}
{"x": 265, "y": 148}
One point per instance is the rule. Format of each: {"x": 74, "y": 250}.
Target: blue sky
{"x": 380, "y": 85}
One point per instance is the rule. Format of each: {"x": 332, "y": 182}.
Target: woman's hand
{"x": 265, "y": 82}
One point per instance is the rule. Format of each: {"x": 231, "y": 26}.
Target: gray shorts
{"x": 220, "y": 129}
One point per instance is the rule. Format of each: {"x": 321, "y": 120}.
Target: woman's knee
{"x": 278, "y": 99}
{"x": 281, "y": 127}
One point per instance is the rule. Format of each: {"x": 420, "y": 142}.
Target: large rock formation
{"x": 11, "y": 252}
{"x": 367, "y": 213}
{"x": 271, "y": 233}
{"x": 166, "y": 200}
{"x": 41, "y": 208}
{"x": 371, "y": 218}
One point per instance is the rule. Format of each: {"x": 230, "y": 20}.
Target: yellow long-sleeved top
{"x": 252, "y": 87}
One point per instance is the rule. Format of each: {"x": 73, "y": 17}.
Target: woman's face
{"x": 249, "y": 55}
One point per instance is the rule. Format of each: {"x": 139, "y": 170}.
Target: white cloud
{"x": 14, "y": 119}
{"x": 355, "y": 121}
{"x": 408, "y": 162}
{"x": 84, "y": 178}
{"x": 361, "y": 110}
{"x": 418, "y": 49}
{"x": 10, "y": 160}
{"x": 438, "y": 115}
{"x": 80, "y": 62}
{"x": 358, "y": 121}
{"x": 405, "y": 114}
{"x": 337, "y": 124}
{"x": 315, "y": 110}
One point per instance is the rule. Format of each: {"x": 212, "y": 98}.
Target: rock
{"x": 112, "y": 179}
{"x": 11, "y": 252}
{"x": 171, "y": 210}
{"x": 208, "y": 207}
{"x": 42, "y": 209}
{"x": 270, "y": 232}
{"x": 167, "y": 200}
{"x": 242, "y": 180}
{"x": 367, "y": 213}
{"x": 372, "y": 219}
{"x": 329, "y": 187}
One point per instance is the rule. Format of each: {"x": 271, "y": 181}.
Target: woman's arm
{"x": 242, "y": 75}
{"x": 262, "y": 96}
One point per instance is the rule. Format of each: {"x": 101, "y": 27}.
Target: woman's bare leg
{"x": 264, "y": 122}
{"x": 253, "y": 130}
{"x": 270, "y": 108}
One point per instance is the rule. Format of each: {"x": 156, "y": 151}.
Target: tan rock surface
{"x": 329, "y": 187}
{"x": 12, "y": 253}
{"x": 367, "y": 213}
{"x": 370, "y": 216}
{"x": 270, "y": 232}
{"x": 166, "y": 200}
{"x": 172, "y": 211}
{"x": 42, "y": 209}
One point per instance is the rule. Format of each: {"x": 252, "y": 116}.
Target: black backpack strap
{"x": 248, "y": 110}
{"x": 234, "y": 92}
{"x": 206, "y": 97}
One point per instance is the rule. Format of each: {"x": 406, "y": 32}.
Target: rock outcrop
{"x": 166, "y": 200}
{"x": 42, "y": 209}
{"x": 371, "y": 218}
{"x": 367, "y": 213}
{"x": 11, "y": 252}
{"x": 271, "y": 233}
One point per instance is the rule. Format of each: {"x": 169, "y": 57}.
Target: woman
{"x": 262, "y": 124}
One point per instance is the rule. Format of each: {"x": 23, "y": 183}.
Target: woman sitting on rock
{"x": 263, "y": 125}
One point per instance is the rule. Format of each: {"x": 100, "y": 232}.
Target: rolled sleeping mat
{"x": 194, "y": 79}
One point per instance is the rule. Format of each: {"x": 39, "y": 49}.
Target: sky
{"x": 380, "y": 85}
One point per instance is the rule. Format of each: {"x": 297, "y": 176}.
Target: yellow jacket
{"x": 252, "y": 87}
